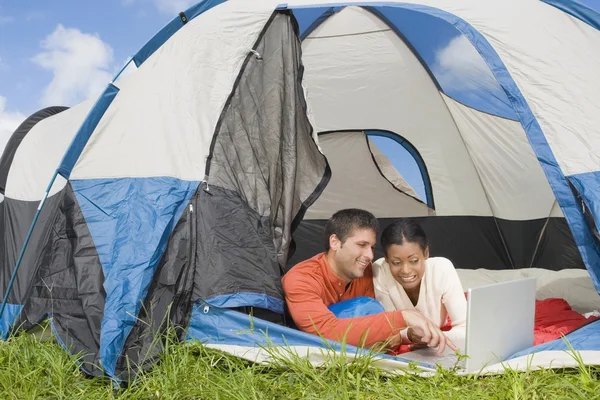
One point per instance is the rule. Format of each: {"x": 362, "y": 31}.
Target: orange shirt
{"x": 310, "y": 287}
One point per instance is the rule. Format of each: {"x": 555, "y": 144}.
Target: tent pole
{"x": 542, "y": 233}
{"x": 121, "y": 71}
{"x": 24, "y": 247}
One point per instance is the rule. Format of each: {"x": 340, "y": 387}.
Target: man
{"x": 344, "y": 272}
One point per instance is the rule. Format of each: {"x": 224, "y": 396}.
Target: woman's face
{"x": 407, "y": 263}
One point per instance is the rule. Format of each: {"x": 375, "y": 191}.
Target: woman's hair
{"x": 404, "y": 230}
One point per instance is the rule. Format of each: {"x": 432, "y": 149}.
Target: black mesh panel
{"x": 257, "y": 184}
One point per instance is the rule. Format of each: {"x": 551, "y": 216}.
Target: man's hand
{"x": 390, "y": 345}
{"x": 414, "y": 337}
{"x": 423, "y": 331}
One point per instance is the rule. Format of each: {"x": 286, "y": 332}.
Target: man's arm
{"x": 310, "y": 314}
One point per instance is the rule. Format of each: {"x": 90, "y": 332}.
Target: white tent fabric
{"x": 502, "y": 154}
{"x": 319, "y": 356}
{"x": 170, "y": 122}
{"x": 556, "y": 211}
{"x": 356, "y": 182}
{"x": 539, "y": 57}
{"x": 373, "y": 80}
{"x": 47, "y": 142}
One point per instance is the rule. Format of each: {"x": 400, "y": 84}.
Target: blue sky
{"x": 27, "y": 28}
{"x": 61, "y": 52}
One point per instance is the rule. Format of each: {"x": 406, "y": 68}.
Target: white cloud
{"x": 459, "y": 66}
{"x": 9, "y": 121}
{"x": 81, "y": 64}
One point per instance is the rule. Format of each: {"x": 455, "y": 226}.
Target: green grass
{"x": 35, "y": 369}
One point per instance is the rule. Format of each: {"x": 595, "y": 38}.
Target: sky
{"x": 62, "y": 52}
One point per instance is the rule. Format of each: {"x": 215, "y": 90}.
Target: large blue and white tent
{"x": 183, "y": 194}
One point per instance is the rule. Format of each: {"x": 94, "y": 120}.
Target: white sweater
{"x": 440, "y": 295}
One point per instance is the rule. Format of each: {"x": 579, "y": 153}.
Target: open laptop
{"x": 500, "y": 322}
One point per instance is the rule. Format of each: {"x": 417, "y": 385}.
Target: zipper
{"x": 192, "y": 236}
{"x": 192, "y": 239}
{"x": 188, "y": 282}
{"x": 182, "y": 298}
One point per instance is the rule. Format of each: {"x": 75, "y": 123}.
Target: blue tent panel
{"x": 311, "y": 17}
{"x": 241, "y": 299}
{"x": 588, "y": 186}
{"x": 585, "y": 338}
{"x": 215, "y": 325}
{"x": 130, "y": 220}
{"x": 10, "y": 314}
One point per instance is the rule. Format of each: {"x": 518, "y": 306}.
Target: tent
{"x": 184, "y": 193}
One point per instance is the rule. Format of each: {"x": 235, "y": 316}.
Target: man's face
{"x": 354, "y": 255}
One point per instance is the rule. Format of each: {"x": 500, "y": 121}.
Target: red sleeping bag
{"x": 553, "y": 318}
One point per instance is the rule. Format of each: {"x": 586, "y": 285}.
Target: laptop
{"x": 500, "y": 322}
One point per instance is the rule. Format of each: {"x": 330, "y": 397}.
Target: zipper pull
{"x": 191, "y": 209}
{"x": 207, "y": 189}
{"x": 257, "y": 54}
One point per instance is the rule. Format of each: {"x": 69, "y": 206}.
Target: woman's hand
{"x": 389, "y": 345}
{"x": 423, "y": 331}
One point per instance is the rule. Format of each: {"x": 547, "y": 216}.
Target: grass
{"x": 35, "y": 369}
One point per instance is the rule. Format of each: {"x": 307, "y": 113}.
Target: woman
{"x": 406, "y": 278}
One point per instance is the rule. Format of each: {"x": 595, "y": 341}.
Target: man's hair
{"x": 344, "y": 222}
